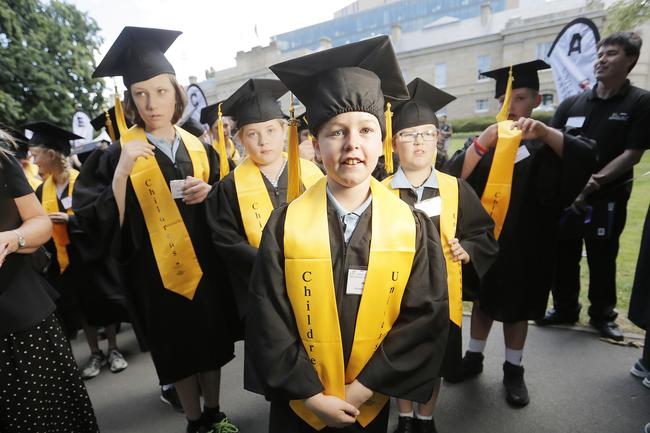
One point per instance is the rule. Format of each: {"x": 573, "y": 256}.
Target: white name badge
{"x": 432, "y": 206}
{"x": 575, "y": 122}
{"x": 356, "y": 280}
{"x": 522, "y": 153}
{"x": 176, "y": 188}
{"x": 66, "y": 202}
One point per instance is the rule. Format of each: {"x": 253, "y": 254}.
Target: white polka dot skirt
{"x": 41, "y": 390}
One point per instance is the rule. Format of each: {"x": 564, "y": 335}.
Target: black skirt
{"x": 41, "y": 390}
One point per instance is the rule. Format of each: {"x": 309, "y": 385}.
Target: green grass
{"x": 629, "y": 247}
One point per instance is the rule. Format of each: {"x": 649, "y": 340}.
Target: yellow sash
{"x": 496, "y": 196}
{"x": 172, "y": 247}
{"x": 234, "y": 153}
{"x": 59, "y": 231}
{"x": 31, "y": 173}
{"x": 310, "y": 287}
{"x": 448, "y": 187}
{"x": 254, "y": 201}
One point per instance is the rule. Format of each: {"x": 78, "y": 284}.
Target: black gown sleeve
{"x": 279, "y": 367}
{"x": 408, "y": 360}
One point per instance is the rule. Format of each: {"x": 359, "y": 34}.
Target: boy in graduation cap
{"x": 349, "y": 296}
{"x": 91, "y": 294}
{"x": 466, "y": 230}
{"x": 144, "y": 199}
{"x": 239, "y": 208}
{"x": 526, "y": 173}
{"x": 210, "y": 116}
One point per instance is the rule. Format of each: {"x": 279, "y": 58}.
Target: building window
{"x": 547, "y": 100}
{"x": 482, "y": 106}
{"x": 542, "y": 50}
{"x": 440, "y": 78}
{"x": 483, "y": 64}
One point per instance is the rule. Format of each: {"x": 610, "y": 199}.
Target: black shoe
{"x": 405, "y": 424}
{"x": 554, "y": 317}
{"x": 470, "y": 366}
{"x": 513, "y": 380}
{"x": 170, "y": 397}
{"x": 607, "y": 328}
{"x": 425, "y": 426}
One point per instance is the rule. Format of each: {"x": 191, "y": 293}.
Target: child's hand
{"x": 458, "y": 252}
{"x": 357, "y": 394}
{"x": 332, "y": 410}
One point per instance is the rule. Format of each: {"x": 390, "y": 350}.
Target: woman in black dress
{"x": 40, "y": 387}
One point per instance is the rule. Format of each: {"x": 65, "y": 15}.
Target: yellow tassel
{"x": 293, "y": 165}
{"x": 388, "y": 142}
{"x": 109, "y": 126}
{"x": 505, "y": 108}
{"x": 220, "y": 146}
{"x": 119, "y": 114}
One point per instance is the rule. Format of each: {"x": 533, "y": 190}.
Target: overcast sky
{"x": 213, "y": 30}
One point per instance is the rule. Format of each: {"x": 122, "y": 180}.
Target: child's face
{"x": 416, "y": 146}
{"x": 349, "y": 145}
{"x": 264, "y": 141}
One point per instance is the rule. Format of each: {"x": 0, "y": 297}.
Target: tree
{"x": 46, "y": 62}
{"x": 626, "y": 15}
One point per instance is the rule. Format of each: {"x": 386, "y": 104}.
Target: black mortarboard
{"x": 51, "y": 137}
{"x": 21, "y": 142}
{"x": 193, "y": 127}
{"x": 137, "y": 55}
{"x": 353, "y": 77}
{"x": 99, "y": 122}
{"x": 523, "y": 75}
{"x": 421, "y": 108}
{"x": 210, "y": 114}
{"x": 255, "y": 101}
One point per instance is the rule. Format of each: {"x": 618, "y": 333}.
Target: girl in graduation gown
{"x": 347, "y": 307}
{"x": 239, "y": 208}
{"x": 466, "y": 230}
{"x": 86, "y": 300}
{"x": 143, "y": 197}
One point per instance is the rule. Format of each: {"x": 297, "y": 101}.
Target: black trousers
{"x": 601, "y": 258}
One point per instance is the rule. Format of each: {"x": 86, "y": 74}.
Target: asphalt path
{"x": 577, "y": 384}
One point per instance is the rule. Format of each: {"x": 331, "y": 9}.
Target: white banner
{"x": 196, "y": 102}
{"x": 82, "y": 127}
{"x": 572, "y": 57}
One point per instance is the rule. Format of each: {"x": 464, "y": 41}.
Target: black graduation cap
{"x": 51, "y": 136}
{"x": 99, "y": 122}
{"x": 137, "y": 55}
{"x": 210, "y": 114}
{"x": 21, "y": 142}
{"x": 421, "y": 108}
{"x": 523, "y": 75}
{"x": 303, "y": 122}
{"x": 255, "y": 101}
{"x": 353, "y": 77}
{"x": 193, "y": 127}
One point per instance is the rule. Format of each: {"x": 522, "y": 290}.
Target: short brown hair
{"x": 631, "y": 43}
{"x": 131, "y": 110}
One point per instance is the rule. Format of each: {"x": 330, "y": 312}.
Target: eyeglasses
{"x": 410, "y": 137}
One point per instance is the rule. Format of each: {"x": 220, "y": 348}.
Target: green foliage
{"x": 626, "y": 15}
{"x": 479, "y": 123}
{"x": 46, "y": 62}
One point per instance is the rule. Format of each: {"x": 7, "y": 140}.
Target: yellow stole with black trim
{"x": 31, "y": 173}
{"x": 496, "y": 196}
{"x": 59, "y": 231}
{"x": 253, "y": 197}
{"x": 310, "y": 287}
{"x": 172, "y": 247}
{"x": 448, "y": 187}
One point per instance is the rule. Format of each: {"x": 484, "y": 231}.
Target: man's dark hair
{"x": 630, "y": 42}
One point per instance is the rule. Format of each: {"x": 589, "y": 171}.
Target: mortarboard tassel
{"x": 119, "y": 114}
{"x": 293, "y": 190}
{"x": 224, "y": 168}
{"x": 109, "y": 126}
{"x": 505, "y": 108}
{"x": 388, "y": 141}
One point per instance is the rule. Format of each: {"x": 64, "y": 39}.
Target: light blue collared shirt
{"x": 166, "y": 148}
{"x": 348, "y": 219}
{"x": 400, "y": 181}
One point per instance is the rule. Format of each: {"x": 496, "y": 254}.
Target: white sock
{"x": 406, "y": 414}
{"x": 514, "y": 356}
{"x": 424, "y": 417}
{"x": 476, "y": 345}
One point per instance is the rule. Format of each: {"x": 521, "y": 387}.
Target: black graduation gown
{"x": 639, "y": 312}
{"x": 185, "y": 336}
{"x": 379, "y": 172}
{"x": 229, "y": 236}
{"x": 475, "y": 232}
{"x": 516, "y": 287}
{"x": 408, "y": 360}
